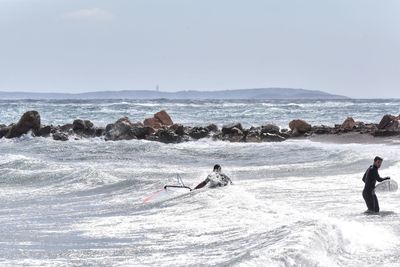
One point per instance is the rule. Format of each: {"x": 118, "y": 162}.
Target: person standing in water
{"x": 215, "y": 179}
{"x": 370, "y": 177}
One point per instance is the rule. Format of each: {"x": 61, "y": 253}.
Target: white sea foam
{"x": 295, "y": 203}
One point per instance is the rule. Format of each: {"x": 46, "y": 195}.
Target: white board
{"x": 169, "y": 194}
{"x": 386, "y": 186}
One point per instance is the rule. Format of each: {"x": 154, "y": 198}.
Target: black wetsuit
{"x": 370, "y": 178}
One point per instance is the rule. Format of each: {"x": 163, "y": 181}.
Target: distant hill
{"x": 260, "y": 93}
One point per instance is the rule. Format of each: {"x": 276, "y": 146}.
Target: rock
{"x": 299, "y": 127}
{"x": 142, "y": 132}
{"x": 122, "y": 129}
{"x": 198, "y": 132}
{"x": 66, "y": 128}
{"x": 322, "y": 129}
{"x": 60, "y": 136}
{"x": 83, "y": 127}
{"x": 168, "y": 136}
{"x": 30, "y": 121}
{"x": 349, "y": 124}
{"x": 159, "y": 120}
{"x": 212, "y": 128}
{"x": 153, "y": 123}
{"x": 253, "y": 137}
{"x": 285, "y": 135}
{"x": 163, "y": 117}
{"x": 179, "y": 129}
{"x": 236, "y": 131}
{"x": 267, "y": 137}
{"x": 227, "y": 129}
{"x": 387, "y": 121}
{"x": 99, "y": 131}
{"x": 270, "y": 128}
{"x": 4, "y": 130}
{"x": 45, "y": 131}
{"x": 234, "y": 134}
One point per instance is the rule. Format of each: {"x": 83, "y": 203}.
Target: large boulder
{"x": 164, "y": 118}
{"x": 30, "y": 121}
{"x": 153, "y": 123}
{"x": 299, "y": 127}
{"x": 159, "y": 120}
{"x": 122, "y": 129}
{"x": 349, "y": 124}
{"x": 389, "y": 123}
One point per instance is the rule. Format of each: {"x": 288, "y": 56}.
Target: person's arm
{"x": 227, "y": 178}
{"x": 202, "y": 184}
{"x": 378, "y": 178}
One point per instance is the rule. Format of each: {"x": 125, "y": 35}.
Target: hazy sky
{"x": 349, "y": 47}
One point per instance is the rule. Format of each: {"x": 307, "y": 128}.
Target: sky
{"x": 347, "y": 47}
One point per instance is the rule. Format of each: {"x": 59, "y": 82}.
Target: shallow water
{"x": 293, "y": 203}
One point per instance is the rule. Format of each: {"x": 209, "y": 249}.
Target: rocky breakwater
{"x": 161, "y": 128}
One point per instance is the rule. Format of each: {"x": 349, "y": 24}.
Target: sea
{"x": 294, "y": 203}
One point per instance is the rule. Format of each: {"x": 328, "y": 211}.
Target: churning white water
{"x": 295, "y": 203}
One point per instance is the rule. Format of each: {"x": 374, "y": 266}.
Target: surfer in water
{"x": 370, "y": 177}
{"x": 215, "y": 179}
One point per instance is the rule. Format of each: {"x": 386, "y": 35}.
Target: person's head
{"x": 378, "y": 162}
{"x": 217, "y": 168}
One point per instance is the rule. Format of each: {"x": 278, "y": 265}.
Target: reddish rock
{"x": 299, "y": 127}
{"x": 348, "y": 124}
{"x": 159, "y": 120}
{"x": 153, "y": 123}
{"x": 163, "y": 117}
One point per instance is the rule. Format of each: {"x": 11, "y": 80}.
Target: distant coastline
{"x": 237, "y": 94}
